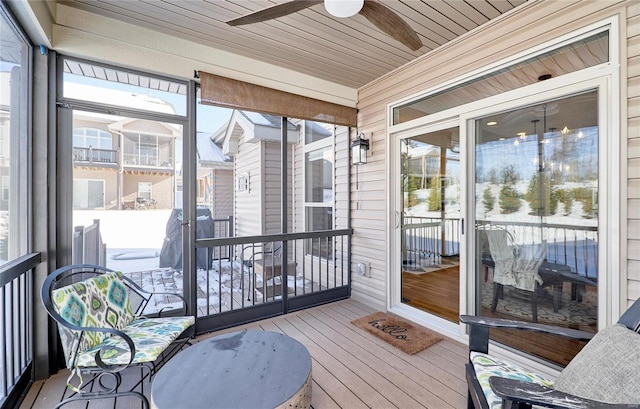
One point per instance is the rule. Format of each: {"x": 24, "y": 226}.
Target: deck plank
{"x": 351, "y": 368}
{"x": 365, "y": 368}
{"x": 417, "y": 375}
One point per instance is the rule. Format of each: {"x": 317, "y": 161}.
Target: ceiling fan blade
{"x": 272, "y": 12}
{"x": 390, "y": 23}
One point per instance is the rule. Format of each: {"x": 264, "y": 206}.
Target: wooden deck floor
{"x": 351, "y": 368}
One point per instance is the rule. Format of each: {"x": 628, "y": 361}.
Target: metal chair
{"x": 99, "y": 313}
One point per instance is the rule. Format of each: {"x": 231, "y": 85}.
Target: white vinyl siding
{"x": 222, "y": 185}
{"x": 633, "y": 151}
{"x": 248, "y": 203}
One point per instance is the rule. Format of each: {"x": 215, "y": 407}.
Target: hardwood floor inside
{"x": 350, "y": 367}
{"x": 437, "y": 292}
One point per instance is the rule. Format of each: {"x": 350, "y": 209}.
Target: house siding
{"x": 533, "y": 23}
{"x": 633, "y": 151}
{"x": 222, "y": 186}
{"x": 248, "y": 214}
{"x": 161, "y": 189}
{"x": 272, "y": 189}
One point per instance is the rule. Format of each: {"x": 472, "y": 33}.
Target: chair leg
{"x": 557, "y": 297}
{"x": 497, "y": 291}
{"x": 534, "y": 305}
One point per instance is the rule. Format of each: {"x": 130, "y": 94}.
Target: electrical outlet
{"x": 363, "y": 269}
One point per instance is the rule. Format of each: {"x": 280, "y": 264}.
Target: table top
{"x": 243, "y": 369}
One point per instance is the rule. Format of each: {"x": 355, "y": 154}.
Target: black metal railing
{"x": 291, "y": 271}
{"x": 16, "y": 324}
{"x": 223, "y": 228}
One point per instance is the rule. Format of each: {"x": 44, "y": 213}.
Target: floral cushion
{"x": 150, "y": 336}
{"x": 487, "y": 366}
{"x": 99, "y": 302}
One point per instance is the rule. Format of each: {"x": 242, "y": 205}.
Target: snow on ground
{"x": 133, "y": 237}
{"x": 127, "y": 228}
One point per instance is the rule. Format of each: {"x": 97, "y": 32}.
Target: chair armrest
{"x": 479, "y": 330}
{"x": 516, "y": 391}
{"x": 112, "y": 331}
{"x": 473, "y": 320}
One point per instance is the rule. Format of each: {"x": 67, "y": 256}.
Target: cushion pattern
{"x": 487, "y": 366}
{"x": 150, "y": 336}
{"x": 603, "y": 373}
{"x": 101, "y": 301}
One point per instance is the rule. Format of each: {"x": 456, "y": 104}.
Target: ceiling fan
{"x": 381, "y": 16}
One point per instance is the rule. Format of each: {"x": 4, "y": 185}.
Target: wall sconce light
{"x": 359, "y": 148}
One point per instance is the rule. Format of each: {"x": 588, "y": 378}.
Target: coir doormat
{"x": 398, "y": 332}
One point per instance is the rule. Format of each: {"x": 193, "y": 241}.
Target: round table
{"x": 243, "y": 369}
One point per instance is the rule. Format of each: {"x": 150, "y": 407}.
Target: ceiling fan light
{"x": 343, "y": 8}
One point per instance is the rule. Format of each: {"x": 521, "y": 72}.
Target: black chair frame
{"x": 105, "y": 380}
{"x": 519, "y": 394}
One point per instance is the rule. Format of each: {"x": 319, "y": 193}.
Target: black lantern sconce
{"x": 359, "y": 148}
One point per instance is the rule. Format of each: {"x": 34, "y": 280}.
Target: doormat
{"x": 400, "y": 333}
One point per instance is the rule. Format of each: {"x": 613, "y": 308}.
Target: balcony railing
{"x": 138, "y": 160}
{"x": 263, "y": 284}
{"x": 16, "y": 324}
{"x": 94, "y": 155}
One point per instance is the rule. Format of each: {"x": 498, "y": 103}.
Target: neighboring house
{"x": 118, "y": 160}
{"x": 253, "y": 140}
{"x": 214, "y": 188}
{"x": 313, "y": 155}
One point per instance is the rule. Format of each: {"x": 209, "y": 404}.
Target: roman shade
{"x": 234, "y": 94}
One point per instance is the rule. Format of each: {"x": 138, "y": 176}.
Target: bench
{"x": 99, "y": 313}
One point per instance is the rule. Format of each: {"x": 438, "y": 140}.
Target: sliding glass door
{"x": 536, "y": 218}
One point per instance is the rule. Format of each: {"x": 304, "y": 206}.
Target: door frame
{"x": 394, "y": 282}
{"x": 604, "y": 78}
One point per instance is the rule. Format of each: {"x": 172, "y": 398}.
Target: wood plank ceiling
{"x": 348, "y": 51}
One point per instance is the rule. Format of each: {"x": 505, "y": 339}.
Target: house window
{"x": 148, "y": 150}
{"x": 92, "y": 138}
{"x": 144, "y": 190}
{"x": 318, "y": 183}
